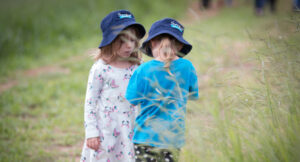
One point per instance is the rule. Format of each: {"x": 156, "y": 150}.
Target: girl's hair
{"x": 109, "y": 53}
{"x": 167, "y": 49}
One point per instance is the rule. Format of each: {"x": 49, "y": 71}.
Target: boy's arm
{"x": 193, "y": 88}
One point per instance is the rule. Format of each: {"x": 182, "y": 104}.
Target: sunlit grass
{"x": 38, "y": 32}
{"x": 252, "y": 119}
{"x": 248, "y": 70}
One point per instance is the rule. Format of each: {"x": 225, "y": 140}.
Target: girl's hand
{"x": 93, "y": 143}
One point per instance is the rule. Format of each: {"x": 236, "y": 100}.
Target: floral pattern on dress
{"x": 108, "y": 115}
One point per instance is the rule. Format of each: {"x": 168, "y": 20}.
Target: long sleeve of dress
{"x": 93, "y": 94}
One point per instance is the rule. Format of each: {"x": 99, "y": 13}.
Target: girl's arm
{"x": 94, "y": 87}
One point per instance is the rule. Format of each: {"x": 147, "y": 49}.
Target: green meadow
{"x": 248, "y": 68}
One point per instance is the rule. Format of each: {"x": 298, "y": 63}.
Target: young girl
{"x": 108, "y": 116}
{"x": 161, "y": 87}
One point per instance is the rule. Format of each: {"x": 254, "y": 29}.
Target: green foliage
{"x": 31, "y": 30}
{"x": 249, "y": 76}
{"x": 248, "y": 79}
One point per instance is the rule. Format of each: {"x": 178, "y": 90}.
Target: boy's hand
{"x": 93, "y": 143}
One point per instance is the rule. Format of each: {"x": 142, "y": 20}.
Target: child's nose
{"x": 130, "y": 44}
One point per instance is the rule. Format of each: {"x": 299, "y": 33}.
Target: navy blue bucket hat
{"x": 115, "y": 22}
{"x": 167, "y": 26}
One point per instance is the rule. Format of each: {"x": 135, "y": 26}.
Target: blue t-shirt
{"x": 162, "y": 98}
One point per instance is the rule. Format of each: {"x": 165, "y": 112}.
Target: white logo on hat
{"x": 122, "y": 16}
{"x": 176, "y": 26}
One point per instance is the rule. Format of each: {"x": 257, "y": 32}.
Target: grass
{"x": 42, "y": 116}
{"x": 36, "y": 32}
{"x": 248, "y": 79}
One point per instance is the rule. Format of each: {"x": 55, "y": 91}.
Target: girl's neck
{"x": 120, "y": 63}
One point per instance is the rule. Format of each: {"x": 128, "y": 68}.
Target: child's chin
{"x": 125, "y": 55}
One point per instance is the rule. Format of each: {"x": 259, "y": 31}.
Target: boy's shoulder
{"x": 183, "y": 63}
{"x": 145, "y": 67}
{"x": 146, "y": 64}
{"x": 183, "y": 60}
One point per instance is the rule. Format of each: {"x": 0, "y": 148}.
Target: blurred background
{"x": 246, "y": 53}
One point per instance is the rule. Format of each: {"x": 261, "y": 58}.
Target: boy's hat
{"x": 167, "y": 26}
{"x": 115, "y": 22}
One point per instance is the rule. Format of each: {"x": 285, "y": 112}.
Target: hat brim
{"x": 187, "y": 47}
{"x": 107, "y": 39}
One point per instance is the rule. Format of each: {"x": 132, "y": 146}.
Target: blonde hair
{"x": 168, "y": 49}
{"x": 109, "y": 53}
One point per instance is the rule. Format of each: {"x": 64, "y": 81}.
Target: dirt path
{"x": 56, "y": 68}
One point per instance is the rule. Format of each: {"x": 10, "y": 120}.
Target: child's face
{"x": 127, "y": 41}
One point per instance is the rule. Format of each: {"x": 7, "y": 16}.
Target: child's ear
{"x": 180, "y": 46}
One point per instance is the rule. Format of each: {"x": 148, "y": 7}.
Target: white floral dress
{"x": 108, "y": 114}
